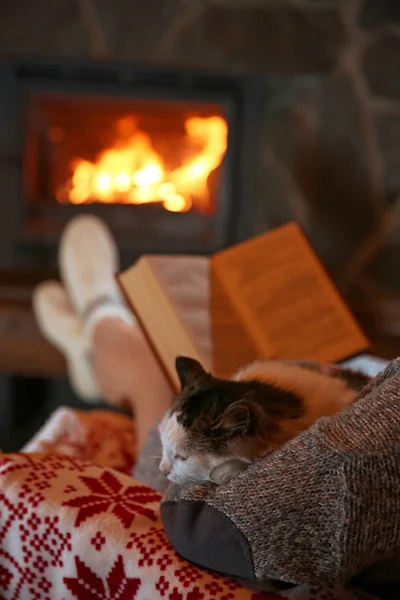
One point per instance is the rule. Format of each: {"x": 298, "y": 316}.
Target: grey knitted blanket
{"x": 320, "y": 510}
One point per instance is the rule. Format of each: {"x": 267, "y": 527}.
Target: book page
{"x": 233, "y": 347}
{"x": 286, "y": 299}
{"x": 186, "y": 280}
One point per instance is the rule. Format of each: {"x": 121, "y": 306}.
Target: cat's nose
{"x": 165, "y": 469}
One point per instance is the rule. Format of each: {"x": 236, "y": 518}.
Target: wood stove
{"x": 167, "y": 158}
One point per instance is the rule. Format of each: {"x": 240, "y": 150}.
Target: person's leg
{"x": 124, "y": 365}
{"x": 129, "y": 374}
{"x": 89, "y": 322}
{"x": 122, "y": 369}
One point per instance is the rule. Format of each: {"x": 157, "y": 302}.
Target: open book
{"x": 269, "y": 297}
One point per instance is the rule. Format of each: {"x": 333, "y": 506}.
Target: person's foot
{"x": 88, "y": 261}
{"x": 60, "y": 325}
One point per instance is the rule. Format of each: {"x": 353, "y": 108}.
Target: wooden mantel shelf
{"x": 23, "y": 350}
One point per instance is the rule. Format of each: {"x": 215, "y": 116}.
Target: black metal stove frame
{"x": 24, "y": 248}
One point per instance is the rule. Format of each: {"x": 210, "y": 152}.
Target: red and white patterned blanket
{"x": 74, "y": 525}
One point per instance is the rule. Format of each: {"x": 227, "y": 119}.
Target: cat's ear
{"x": 189, "y": 370}
{"x": 236, "y": 418}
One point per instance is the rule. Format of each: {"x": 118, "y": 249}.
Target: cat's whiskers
{"x": 155, "y": 456}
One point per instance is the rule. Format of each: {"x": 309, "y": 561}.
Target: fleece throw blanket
{"x": 74, "y": 524}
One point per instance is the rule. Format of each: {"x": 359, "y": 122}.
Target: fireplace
{"x": 167, "y": 158}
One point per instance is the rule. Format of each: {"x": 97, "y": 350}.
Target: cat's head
{"x": 212, "y": 421}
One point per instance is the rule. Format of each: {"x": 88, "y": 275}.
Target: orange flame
{"x": 131, "y": 172}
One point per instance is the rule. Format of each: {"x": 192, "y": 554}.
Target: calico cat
{"x": 215, "y": 427}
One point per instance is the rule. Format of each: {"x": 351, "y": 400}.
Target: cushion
{"x": 319, "y": 510}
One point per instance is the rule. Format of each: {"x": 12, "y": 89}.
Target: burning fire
{"x": 132, "y": 172}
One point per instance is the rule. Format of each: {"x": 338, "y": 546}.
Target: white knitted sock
{"x": 102, "y": 309}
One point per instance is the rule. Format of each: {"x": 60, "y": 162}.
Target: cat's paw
{"x": 227, "y": 471}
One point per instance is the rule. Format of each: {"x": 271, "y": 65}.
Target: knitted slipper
{"x": 88, "y": 260}
{"x": 59, "y": 324}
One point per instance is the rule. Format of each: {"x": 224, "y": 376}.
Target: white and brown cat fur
{"x": 215, "y": 427}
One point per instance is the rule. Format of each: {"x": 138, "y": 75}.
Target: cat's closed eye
{"x": 179, "y": 457}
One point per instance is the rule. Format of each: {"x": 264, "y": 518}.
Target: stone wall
{"x": 331, "y": 151}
